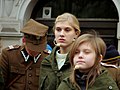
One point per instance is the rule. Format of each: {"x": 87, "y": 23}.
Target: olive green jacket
{"x": 103, "y": 82}
{"x": 50, "y": 75}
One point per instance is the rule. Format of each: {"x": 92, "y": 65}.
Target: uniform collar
{"x": 27, "y": 57}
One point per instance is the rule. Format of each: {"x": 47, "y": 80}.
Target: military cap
{"x": 33, "y": 27}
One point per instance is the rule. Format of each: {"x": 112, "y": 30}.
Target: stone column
{"x": 9, "y": 23}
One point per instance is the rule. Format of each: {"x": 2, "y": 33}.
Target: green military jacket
{"x": 103, "y": 82}
{"x": 50, "y": 75}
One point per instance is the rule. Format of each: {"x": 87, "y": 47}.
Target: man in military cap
{"x": 21, "y": 64}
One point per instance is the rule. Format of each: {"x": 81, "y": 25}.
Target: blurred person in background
{"x": 112, "y": 56}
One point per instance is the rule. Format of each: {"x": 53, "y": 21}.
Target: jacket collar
{"x": 27, "y": 57}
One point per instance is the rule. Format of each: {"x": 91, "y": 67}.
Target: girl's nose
{"x": 62, "y": 32}
{"x": 80, "y": 55}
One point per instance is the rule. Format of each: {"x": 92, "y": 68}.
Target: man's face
{"x": 33, "y": 39}
{"x": 35, "y": 43}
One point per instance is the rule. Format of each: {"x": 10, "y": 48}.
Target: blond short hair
{"x": 71, "y": 19}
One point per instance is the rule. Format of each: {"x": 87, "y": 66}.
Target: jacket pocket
{"x": 17, "y": 70}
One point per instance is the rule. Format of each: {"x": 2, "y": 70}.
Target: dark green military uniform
{"x": 103, "y": 82}
{"x": 50, "y": 75}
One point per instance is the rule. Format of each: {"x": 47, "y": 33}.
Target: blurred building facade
{"x": 15, "y": 13}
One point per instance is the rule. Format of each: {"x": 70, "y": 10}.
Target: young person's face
{"x": 84, "y": 57}
{"x": 64, "y": 34}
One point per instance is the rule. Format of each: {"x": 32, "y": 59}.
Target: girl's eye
{"x": 67, "y": 29}
{"x": 58, "y": 29}
{"x": 87, "y": 52}
{"x": 76, "y": 51}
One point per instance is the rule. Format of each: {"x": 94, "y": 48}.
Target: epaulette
{"x": 47, "y": 51}
{"x": 12, "y": 47}
{"x": 108, "y": 65}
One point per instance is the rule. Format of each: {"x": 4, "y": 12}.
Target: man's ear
{"x": 101, "y": 58}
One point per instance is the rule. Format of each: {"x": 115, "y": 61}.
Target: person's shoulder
{"x": 66, "y": 84}
{"x": 49, "y": 58}
{"x": 46, "y": 59}
{"x": 11, "y": 48}
{"x": 46, "y": 51}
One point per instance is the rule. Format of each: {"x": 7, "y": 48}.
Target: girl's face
{"x": 64, "y": 34}
{"x": 84, "y": 57}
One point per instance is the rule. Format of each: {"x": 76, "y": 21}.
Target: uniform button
{"x": 30, "y": 75}
{"x": 30, "y": 68}
{"x": 110, "y": 87}
{"x": 59, "y": 74}
{"x": 29, "y": 82}
{"x": 55, "y": 71}
{"x": 17, "y": 70}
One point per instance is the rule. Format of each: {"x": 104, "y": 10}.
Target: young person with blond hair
{"x": 56, "y": 66}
